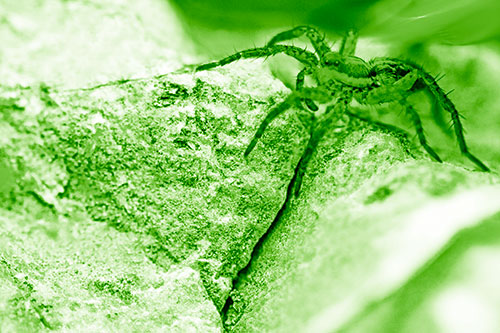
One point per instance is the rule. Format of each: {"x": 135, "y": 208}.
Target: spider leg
{"x": 317, "y": 131}
{"x": 299, "y": 84}
{"x": 316, "y": 39}
{"x": 399, "y": 90}
{"x": 417, "y": 122}
{"x": 447, "y": 105}
{"x": 427, "y": 81}
{"x": 305, "y": 57}
{"x": 369, "y": 120}
{"x": 318, "y": 94}
{"x": 396, "y": 91}
{"x": 275, "y": 111}
{"x": 420, "y": 131}
{"x": 349, "y": 42}
{"x": 300, "y": 170}
{"x": 436, "y": 113}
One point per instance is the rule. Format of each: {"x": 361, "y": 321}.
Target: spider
{"x": 340, "y": 78}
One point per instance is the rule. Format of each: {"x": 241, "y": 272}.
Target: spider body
{"x": 340, "y": 78}
{"x": 353, "y": 67}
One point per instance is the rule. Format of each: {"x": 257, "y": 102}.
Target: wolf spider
{"x": 341, "y": 78}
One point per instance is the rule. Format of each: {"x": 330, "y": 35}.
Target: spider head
{"x": 333, "y": 60}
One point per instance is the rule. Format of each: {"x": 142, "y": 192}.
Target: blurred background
{"x": 403, "y": 22}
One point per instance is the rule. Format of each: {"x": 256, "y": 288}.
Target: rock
{"x": 70, "y": 273}
{"x": 327, "y": 261}
{"x": 159, "y": 159}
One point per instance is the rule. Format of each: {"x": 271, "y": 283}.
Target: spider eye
{"x": 335, "y": 63}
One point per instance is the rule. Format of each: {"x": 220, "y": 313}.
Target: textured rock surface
{"x": 67, "y": 272}
{"x": 327, "y": 260}
{"x": 160, "y": 158}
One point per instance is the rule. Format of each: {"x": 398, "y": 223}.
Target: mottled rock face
{"x": 328, "y": 260}
{"x": 161, "y": 159}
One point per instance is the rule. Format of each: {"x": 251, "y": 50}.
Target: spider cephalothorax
{"x": 341, "y": 78}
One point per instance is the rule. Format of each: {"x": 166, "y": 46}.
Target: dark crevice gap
{"x": 255, "y": 252}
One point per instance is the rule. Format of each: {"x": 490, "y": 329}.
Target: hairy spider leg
{"x": 447, "y": 105}
{"x": 299, "y": 84}
{"x": 398, "y": 91}
{"x": 436, "y": 113}
{"x": 317, "y": 40}
{"x": 430, "y": 83}
{"x": 395, "y": 91}
{"x": 380, "y": 124}
{"x": 300, "y": 170}
{"x": 317, "y": 131}
{"x": 416, "y": 121}
{"x": 305, "y": 57}
{"x": 318, "y": 94}
{"x": 275, "y": 111}
{"x": 349, "y": 42}
{"x": 420, "y": 130}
